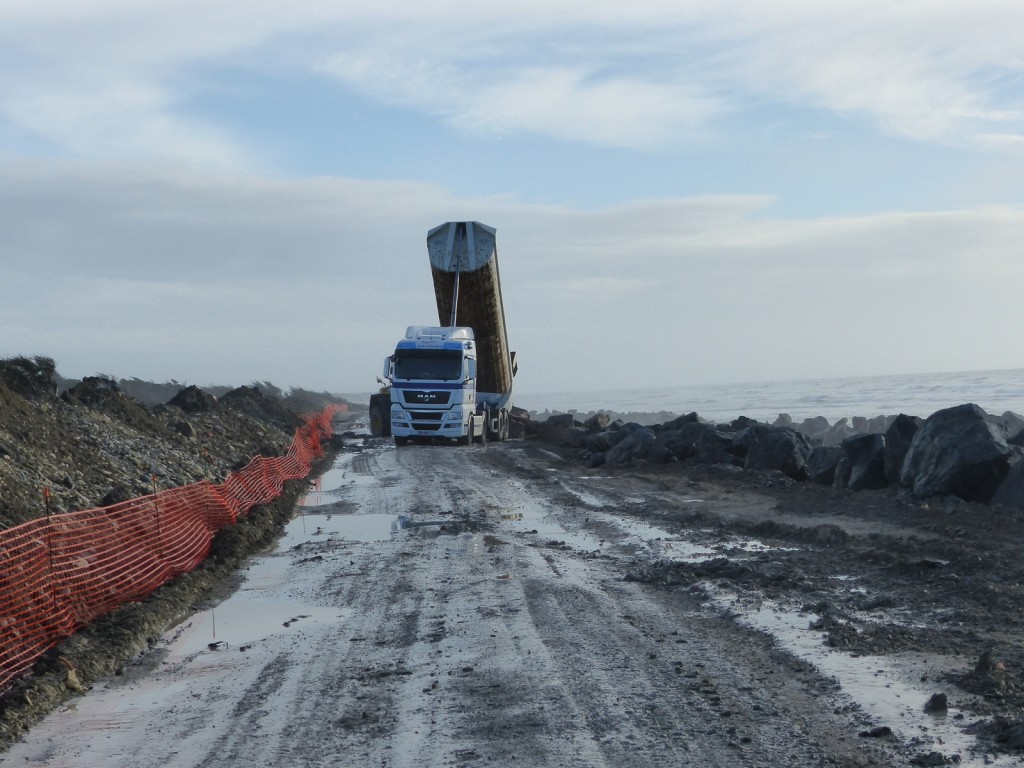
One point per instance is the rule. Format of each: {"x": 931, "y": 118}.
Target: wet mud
{"x": 499, "y": 605}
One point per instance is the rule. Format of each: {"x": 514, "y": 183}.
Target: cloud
{"x": 164, "y": 273}
{"x": 114, "y": 79}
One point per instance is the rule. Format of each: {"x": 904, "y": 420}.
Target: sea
{"x": 920, "y": 394}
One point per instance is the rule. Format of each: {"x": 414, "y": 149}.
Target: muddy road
{"x": 501, "y": 606}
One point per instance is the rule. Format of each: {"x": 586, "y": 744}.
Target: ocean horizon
{"x": 922, "y": 394}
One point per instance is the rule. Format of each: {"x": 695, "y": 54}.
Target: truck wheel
{"x": 380, "y": 422}
{"x": 469, "y": 431}
{"x": 503, "y": 426}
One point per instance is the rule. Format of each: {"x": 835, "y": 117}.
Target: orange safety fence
{"x": 60, "y": 572}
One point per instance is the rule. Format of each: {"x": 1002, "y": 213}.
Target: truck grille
{"x": 431, "y": 397}
{"x": 426, "y": 415}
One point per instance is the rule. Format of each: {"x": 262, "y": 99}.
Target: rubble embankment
{"x": 93, "y": 445}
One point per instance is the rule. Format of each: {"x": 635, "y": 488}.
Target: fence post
{"x": 156, "y": 508}
{"x": 49, "y": 551}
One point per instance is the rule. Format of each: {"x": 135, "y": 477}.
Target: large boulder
{"x": 838, "y": 432}
{"x": 1010, "y": 492}
{"x": 192, "y": 399}
{"x": 638, "y": 444}
{"x": 778, "y": 448}
{"x": 620, "y": 432}
{"x": 699, "y": 441}
{"x": 557, "y": 428}
{"x": 1010, "y": 422}
{"x": 680, "y": 421}
{"x": 957, "y": 451}
{"x": 865, "y": 455}
{"x": 822, "y": 462}
{"x": 898, "y": 438}
{"x": 599, "y": 442}
{"x": 519, "y": 423}
{"x": 814, "y": 428}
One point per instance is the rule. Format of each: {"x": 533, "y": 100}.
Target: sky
{"x": 685, "y": 192}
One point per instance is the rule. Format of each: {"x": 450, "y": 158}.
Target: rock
{"x": 957, "y": 451}
{"x": 638, "y": 444}
{"x": 561, "y": 420}
{"x": 694, "y": 440}
{"x": 931, "y": 759}
{"x": 837, "y": 433}
{"x": 866, "y": 457}
{"x": 555, "y": 429}
{"x": 1010, "y": 492}
{"x": 1009, "y": 733}
{"x": 600, "y": 442}
{"x": 898, "y": 438}
{"x": 620, "y": 432}
{"x": 519, "y": 423}
{"x": 814, "y": 428}
{"x": 742, "y": 423}
{"x": 1011, "y": 423}
{"x": 879, "y": 424}
{"x": 680, "y": 421}
{"x": 783, "y": 420}
{"x": 192, "y": 399}
{"x": 597, "y": 422}
{"x": 936, "y": 704}
{"x": 779, "y": 448}
{"x": 878, "y": 732}
{"x": 822, "y": 462}
{"x": 120, "y": 492}
{"x": 575, "y": 437}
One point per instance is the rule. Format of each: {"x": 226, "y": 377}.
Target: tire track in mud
{"x": 540, "y": 656}
{"x": 480, "y": 643}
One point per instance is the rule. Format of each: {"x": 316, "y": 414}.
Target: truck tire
{"x": 503, "y": 426}
{"x": 380, "y": 415}
{"x": 469, "y": 431}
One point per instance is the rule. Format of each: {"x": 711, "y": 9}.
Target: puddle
{"x": 312, "y": 526}
{"x": 888, "y": 695}
{"x": 338, "y": 480}
{"x": 326, "y": 488}
{"x": 245, "y": 620}
{"x": 537, "y": 521}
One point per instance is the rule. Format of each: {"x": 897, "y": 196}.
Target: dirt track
{"x": 535, "y": 613}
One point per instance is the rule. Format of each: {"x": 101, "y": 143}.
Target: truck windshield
{"x": 428, "y": 364}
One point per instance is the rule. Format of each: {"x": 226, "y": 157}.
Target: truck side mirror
{"x": 470, "y": 369}
{"x": 387, "y": 367}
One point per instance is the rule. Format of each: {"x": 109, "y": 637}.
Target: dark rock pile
{"x": 961, "y": 451}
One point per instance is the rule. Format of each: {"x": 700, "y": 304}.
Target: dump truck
{"x": 453, "y": 380}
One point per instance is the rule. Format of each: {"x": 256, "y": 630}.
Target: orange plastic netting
{"x": 60, "y": 572}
